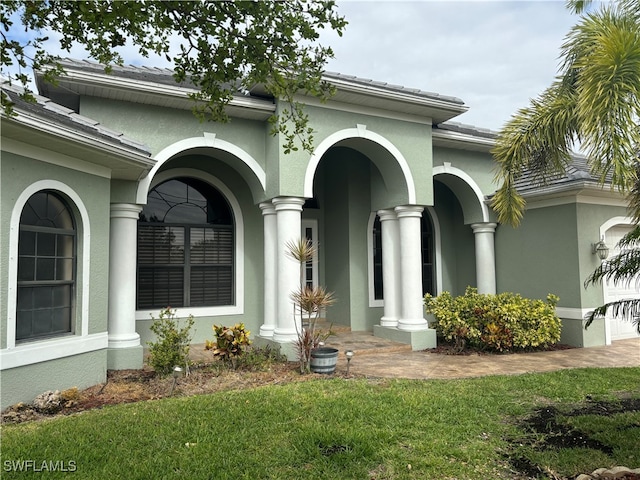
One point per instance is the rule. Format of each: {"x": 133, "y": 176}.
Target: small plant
{"x": 230, "y": 342}
{"x": 308, "y": 301}
{"x": 172, "y": 346}
{"x": 259, "y": 359}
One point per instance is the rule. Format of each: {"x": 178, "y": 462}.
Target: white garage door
{"x": 620, "y": 329}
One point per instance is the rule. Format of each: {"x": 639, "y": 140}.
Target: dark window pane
{"x": 42, "y": 322}
{"x": 23, "y": 324}
{"x": 25, "y": 298}
{"x": 64, "y": 246}
{"x": 64, "y": 269}
{"x": 45, "y": 269}
{"x": 377, "y": 259}
{"x": 60, "y": 320}
{"x": 62, "y": 296}
{"x": 26, "y": 269}
{"x": 27, "y": 243}
{"x": 46, "y": 244}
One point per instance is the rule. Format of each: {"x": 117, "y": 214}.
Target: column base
{"x": 131, "y": 358}
{"x": 125, "y": 340}
{"x": 419, "y": 340}
{"x": 284, "y": 335}
{"x": 388, "y": 322}
{"x": 266, "y": 331}
{"x": 412, "y": 324}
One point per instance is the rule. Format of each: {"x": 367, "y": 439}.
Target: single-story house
{"x": 116, "y": 201}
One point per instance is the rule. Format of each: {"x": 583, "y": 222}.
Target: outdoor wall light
{"x": 349, "y": 354}
{"x": 177, "y": 373}
{"x": 600, "y": 249}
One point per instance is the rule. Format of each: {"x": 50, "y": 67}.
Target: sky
{"x": 495, "y": 55}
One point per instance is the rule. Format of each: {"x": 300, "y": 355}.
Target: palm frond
{"x": 602, "y": 53}
{"x": 623, "y": 268}
{"x": 628, "y": 309}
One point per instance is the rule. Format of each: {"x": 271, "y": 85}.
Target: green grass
{"x": 329, "y": 429}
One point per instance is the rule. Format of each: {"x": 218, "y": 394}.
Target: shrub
{"x": 230, "y": 342}
{"x": 259, "y": 359}
{"x": 172, "y": 346}
{"x": 495, "y": 322}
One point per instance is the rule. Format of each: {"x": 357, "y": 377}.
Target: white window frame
{"x": 238, "y": 307}
{"x": 76, "y": 343}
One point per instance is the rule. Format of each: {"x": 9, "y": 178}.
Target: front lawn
{"x": 341, "y": 429}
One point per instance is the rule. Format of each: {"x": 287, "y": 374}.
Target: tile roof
{"x": 394, "y": 88}
{"x": 47, "y": 109}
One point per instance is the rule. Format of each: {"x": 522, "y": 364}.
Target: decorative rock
{"x": 616, "y": 472}
{"x": 48, "y": 402}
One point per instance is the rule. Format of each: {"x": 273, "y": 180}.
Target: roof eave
{"x": 464, "y": 141}
{"x": 128, "y": 157}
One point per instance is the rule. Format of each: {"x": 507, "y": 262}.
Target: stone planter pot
{"x": 324, "y": 360}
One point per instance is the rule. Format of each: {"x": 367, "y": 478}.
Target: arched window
{"x": 46, "y": 267}
{"x": 185, "y": 247}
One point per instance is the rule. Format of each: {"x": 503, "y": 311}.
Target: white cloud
{"x": 494, "y": 55}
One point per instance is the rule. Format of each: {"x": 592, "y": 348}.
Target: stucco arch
{"x": 374, "y": 146}
{"x": 225, "y": 151}
{"x": 467, "y": 191}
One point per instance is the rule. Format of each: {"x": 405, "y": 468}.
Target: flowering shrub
{"x": 495, "y": 322}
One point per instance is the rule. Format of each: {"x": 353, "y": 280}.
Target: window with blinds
{"x": 185, "y": 247}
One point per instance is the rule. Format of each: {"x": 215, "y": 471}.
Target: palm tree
{"x": 594, "y": 102}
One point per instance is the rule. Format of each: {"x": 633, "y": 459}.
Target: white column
{"x": 412, "y": 310}
{"x": 288, "y": 226}
{"x": 390, "y": 268}
{"x": 485, "y": 257}
{"x": 270, "y": 269}
{"x": 122, "y": 275}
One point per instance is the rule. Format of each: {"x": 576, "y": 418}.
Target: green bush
{"x": 502, "y": 322}
{"x": 230, "y": 342}
{"x": 172, "y": 346}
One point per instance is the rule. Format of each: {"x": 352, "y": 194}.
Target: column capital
{"x": 387, "y": 214}
{"x": 125, "y": 210}
{"x": 404, "y": 211}
{"x": 267, "y": 208}
{"x": 288, "y": 203}
{"x": 487, "y": 227}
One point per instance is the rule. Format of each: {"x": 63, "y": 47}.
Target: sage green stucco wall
{"x": 478, "y": 165}
{"x": 253, "y": 251}
{"x": 23, "y": 384}
{"x": 413, "y": 141}
{"x": 541, "y": 256}
{"x": 159, "y": 127}
{"x": 551, "y": 252}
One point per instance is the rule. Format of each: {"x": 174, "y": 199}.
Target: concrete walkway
{"x": 376, "y": 357}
